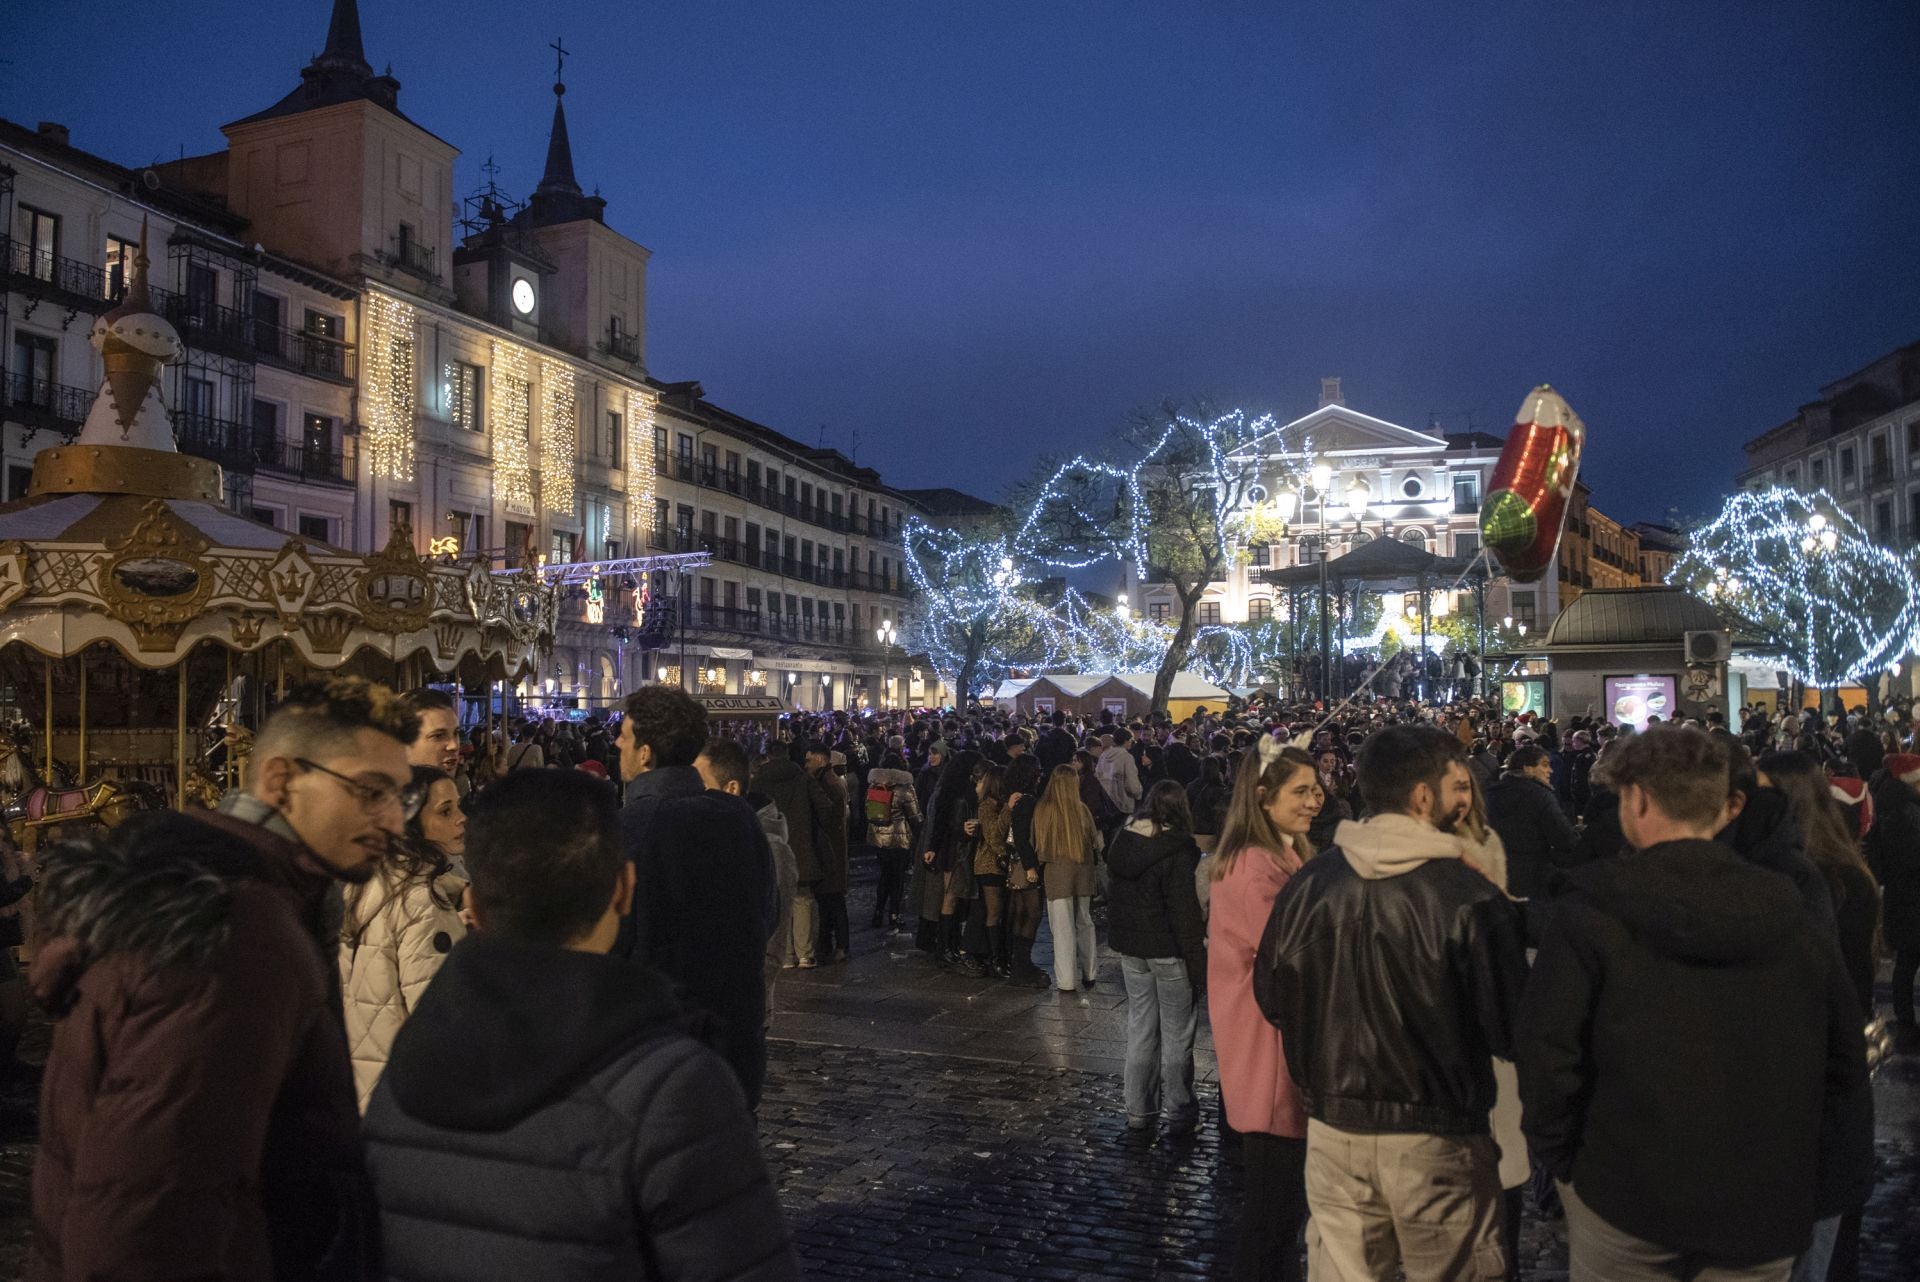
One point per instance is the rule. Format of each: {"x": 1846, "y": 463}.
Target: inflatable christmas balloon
{"x": 1532, "y": 484}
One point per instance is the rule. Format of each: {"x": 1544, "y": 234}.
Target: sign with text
{"x": 1631, "y": 701}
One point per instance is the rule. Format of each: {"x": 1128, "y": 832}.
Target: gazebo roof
{"x": 1387, "y": 563}
{"x": 1606, "y": 617}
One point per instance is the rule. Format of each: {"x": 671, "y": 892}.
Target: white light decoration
{"x": 386, "y": 364}
{"x": 1834, "y": 604}
{"x": 642, "y": 467}
{"x": 510, "y": 423}
{"x": 559, "y": 436}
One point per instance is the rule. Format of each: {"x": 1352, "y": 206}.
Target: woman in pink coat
{"x": 1262, "y": 843}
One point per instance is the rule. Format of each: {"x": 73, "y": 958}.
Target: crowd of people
{"x": 423, "y": 1003}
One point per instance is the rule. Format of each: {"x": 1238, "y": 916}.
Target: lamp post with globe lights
{"x": 885, "y": 635}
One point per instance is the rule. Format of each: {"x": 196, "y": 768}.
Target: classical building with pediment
{"x": 1422, "y": 488}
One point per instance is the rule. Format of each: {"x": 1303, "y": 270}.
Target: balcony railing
{"x": 205, "y": 323}
{"x": 307, "y": 460}
{"x": 623, "y": 345}
{"x": 670, "y": 538}
{"x": 227, "y": 443}
{"x": 42, "y": 403}
{"x": 34, "y": 269}
{"x": 304, "y": 350}
{"x": 412, "y": 257}
{"x": 710, "y": 475}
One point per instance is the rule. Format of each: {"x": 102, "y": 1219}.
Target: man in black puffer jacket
{"x": 1691, "y": 1060}
{"x": 545, "y": 1113}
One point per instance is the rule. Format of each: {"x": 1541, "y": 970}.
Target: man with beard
{"x": 198, "y": 1117}
{"x": 1392, "y": 969}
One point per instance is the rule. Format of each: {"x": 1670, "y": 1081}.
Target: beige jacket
{"x": 389, "y": 948}
{"x": 1491, "y": 860}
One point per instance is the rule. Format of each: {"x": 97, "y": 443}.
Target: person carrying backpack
{"x": 893, "y": 812}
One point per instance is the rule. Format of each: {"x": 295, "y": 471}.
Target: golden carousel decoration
{"x": 134, "y": 606}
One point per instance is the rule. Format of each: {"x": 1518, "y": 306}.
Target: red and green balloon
{"x": 1532, "y": 484}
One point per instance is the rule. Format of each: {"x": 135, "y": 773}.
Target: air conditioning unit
{"x": 1708, "y": 647}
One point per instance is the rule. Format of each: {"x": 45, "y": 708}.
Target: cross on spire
{"x": 559, "y": 59}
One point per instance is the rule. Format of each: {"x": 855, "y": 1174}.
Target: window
{"x": 806, "y": 551}
{"x": 1817, "y": 469}
{"x": 266, "y": 516}
{"x": 660, "y": 444}
{"x": 203, "y": 288}
{"x": 40, "y": 232}
{"x": 685, "y": 451}
{"x": 266, "y": 427}
{"x": 1846, "y": 462}
{"x": 1883, "y": 520}
{"x": 1913, "y": 439}
{"x": 1466, "y": 492}
{"x": 1415, "y": 538}
{"x": 18, "y": 478}
{"x": 120, "y": 256}
{"x": 706, "y": 591}
{"x": 325, "y": 325}
{"x": 35, "y": 361}
{"x": 709, "y": 463}
{"x": 806, "y": 497}
{"x": 267, "y": 313}
{"x": 1259, "y": 608}
{"x": 1466, "y": 543}
{"x": 615, "y": 432}
{"x": 1157, "y": 611}
{"x": 886, "y": 572}
{"x": 463, "y": 396}
{"x": 1209, "y": 612}
{"x": 856, "y": 620}
{"x": 559, "y": 547}
{"x": 730, "y": 595}
{"x": 196, "y": 399}
{"x": 1913, "y": 511}
{"x": 519, "y": 544}
{"x": 316, "y": 434}
{"x": 399, "y": 515}
{"x": 1523, "y": 609}
{"x": 316, "y": 527}
{"x": 839, "y": 562}
{"x": 753, "y": 600}
{"x": 753, "y": 474}
{"x": 792, "y": 486}
{"x": 1260, "y": 556}
{"x": 1411, "y": 487}
{"x": 1792, "y": 478}
{"x": 836, "y": 507}
{"x": 733, "y": 469}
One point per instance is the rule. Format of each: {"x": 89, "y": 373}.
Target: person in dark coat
{"x": 707, "y": 890}
{"x": 545, "y": 1113}
{"x": 198, "y": 1117}
{"x": 836, "y": 938}
{"x": 806, "y": 807}
{"x": 1056, "y": 747}
{"x": 1893, "y": 852}
{"x": 1540, "y": 841}
{"x": 1154, "y": 923}
{"x": 1183, "y": 767}
{"x": 1762, "y": 830}
{"x": 1692, "y": 1066}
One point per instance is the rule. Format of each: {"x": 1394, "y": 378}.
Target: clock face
{"x": 523, "y": 296}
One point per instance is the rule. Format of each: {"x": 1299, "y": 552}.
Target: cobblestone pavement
{"x": 927, "y": 1125}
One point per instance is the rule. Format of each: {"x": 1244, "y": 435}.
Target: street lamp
{"x": 884, "y": 635}
{"x": 1358, "y": 497}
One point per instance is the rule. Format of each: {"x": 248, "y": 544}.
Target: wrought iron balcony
{"x": 304, "y": 350}
{"x": 42, "y": 403}
{"x": 412, "y": 257}
{"x": 623, "y": 345}
{"x": 227, "y": 443}
{"x": 305, "y": 459}
{"x": 41, "y": 271}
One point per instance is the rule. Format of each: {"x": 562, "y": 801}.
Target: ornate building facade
{"x": 362, "y": 358}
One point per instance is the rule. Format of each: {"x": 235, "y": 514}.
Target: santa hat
{"x": 1904, "y": 766}
{"x": 1853, "y": 796}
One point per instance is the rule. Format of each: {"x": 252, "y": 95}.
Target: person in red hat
{"x": 1893, "y": 852}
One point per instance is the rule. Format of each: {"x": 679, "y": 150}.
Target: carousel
{"x": 145, "y": 626}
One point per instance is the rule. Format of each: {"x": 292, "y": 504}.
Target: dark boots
{"x": 949, "y": 953}
{"x": 1020, "y": 962}
{"x": 997, "y": 950}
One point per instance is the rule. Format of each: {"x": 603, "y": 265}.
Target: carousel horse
{"x": 32, "y": 808}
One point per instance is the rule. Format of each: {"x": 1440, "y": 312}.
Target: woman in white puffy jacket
{"x": 400, "y": 925}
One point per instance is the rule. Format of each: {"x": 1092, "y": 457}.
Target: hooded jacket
{"x": 197, "y": 1116}
{"x": 1393, "y": 969}
{"x": 1539, "y": 838}
{"x": 1893, "y": 851}
{"x": 1152, "y": 907}
{"x": 545, "y": 1115}
{"x": 1691, "y": 1056}
{"x": 1766, "y": 835}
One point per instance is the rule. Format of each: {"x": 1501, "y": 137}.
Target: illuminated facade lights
{"x": 559, "y": 436}
{"x": 510, "y": 423}
{"x": 388, "y": 378}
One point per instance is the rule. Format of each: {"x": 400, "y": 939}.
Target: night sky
{"x": 968, "y": 232}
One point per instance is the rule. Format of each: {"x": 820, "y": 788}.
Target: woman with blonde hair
{"x": 1262, "y": 844}
{"x": 1063, "y": 841}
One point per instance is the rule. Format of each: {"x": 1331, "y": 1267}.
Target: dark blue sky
{"x": 971, "y": 231}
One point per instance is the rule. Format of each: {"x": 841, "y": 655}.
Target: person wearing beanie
{"x": 1893, "y": 852}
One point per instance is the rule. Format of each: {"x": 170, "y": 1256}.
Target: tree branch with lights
{"x": 1795, "y": 575}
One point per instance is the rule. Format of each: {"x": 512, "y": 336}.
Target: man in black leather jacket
{"x": 1392, "y": 968}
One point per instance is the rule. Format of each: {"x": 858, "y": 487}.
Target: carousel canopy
{"x": 1385, "y": 564}
{"x": 124, "y": 540}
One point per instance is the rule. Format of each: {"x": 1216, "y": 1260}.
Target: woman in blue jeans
{"x": 1154, "y": 923}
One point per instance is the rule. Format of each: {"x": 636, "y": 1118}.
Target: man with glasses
{"x": 198, "y": 1115}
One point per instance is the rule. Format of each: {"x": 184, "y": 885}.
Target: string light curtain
{"x": 387, "y": 359}
{"x": 510, "y": 423}
{"x": 642, "y": 473}
{"x": 559, "y": 436}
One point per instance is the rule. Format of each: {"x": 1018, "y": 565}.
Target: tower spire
{"x": 345, "y": 50}
{"x": 559, "y": 179}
